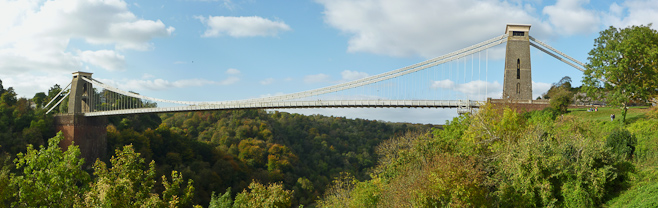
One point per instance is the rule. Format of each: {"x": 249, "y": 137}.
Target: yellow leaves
{"x": 445, "y": 180}
{"x": 491, "y": 125}
{"x": 273, "y": 195}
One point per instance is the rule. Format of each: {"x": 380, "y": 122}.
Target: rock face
{"x": 518, "y": 79}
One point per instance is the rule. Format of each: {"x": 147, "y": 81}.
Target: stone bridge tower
{"x": 89, "y": 133}
{"x": 517, "y": 84}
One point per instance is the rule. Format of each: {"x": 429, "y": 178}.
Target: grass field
{"x": 634, "y": 113}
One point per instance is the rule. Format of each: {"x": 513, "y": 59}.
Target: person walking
{"x": 612, "y": 117}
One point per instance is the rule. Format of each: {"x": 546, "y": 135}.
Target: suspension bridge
{"x": 441, "y": 82}
{"x": 433, "y": 83}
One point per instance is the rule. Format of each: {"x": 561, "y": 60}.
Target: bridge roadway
{"x": 234, "y": 105}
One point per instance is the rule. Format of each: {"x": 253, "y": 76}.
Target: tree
{"x": 51, "y": 177}
{"x": 9, "y": 97}
{"x": 264, "y": 196}
{"x": 127, "y": 184}
{"x": 565, "y": 83}
{"x": 627, "y": 60}
{"x": 5, "y": 190}
{"x": 39, "y": 98}
{"x": 561, "y": 99}
{"x": 2, "y": 89}
{"x": 223, "y": 201}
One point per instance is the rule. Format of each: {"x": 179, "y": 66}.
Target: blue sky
{"x": 237, "y": 49}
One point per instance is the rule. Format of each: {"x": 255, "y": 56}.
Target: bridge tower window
{"x": 518, "y": 68}
{"x": 518, "y": 33}
{"x": 518, "y": 88}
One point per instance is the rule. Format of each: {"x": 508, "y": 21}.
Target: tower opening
{"x": 518, "y": 68}
{"x": 518, "y": 33}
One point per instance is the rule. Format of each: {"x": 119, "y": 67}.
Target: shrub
{"x": 622, "y": 143}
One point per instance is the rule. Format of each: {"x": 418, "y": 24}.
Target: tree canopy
{"x": 627, "y": 59}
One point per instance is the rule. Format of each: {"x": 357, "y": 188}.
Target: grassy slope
{"x": 634, "y": 113}
{"x": 644, "y": 187}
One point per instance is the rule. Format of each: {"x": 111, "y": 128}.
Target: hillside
{"x": 223, "y": 149}
{"x": 499, "y": 158}
{"x": 181, "y": 159}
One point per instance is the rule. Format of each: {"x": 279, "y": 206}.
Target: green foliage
{"x": 21, "y": 125}
{"x": 6, "y": 191}
{"x": 223, "y": 201}
{"x": 641, "y": 195}
{"x": 127, "y": 184}
{"x": 626, "y": 59}
{"x": 246, "y": 145}
{"x": 499, "y": 158}
{"x": 39, "y": 99}
{"x": 252, "y": 152}
{"x": 561, "y": 99}
{"x": 8, "y": 97}
{"x": 622, "y": 143}
{"x": 365, "y": 194}
{"x": 50, "y": 177}
{"x": 564, "y": 83}
{"x": 339, "y": 194}
{"x": 646, "y": 151}
{"x": 259, "y": 195}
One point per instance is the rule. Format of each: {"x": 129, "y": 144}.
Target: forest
{"x": 181, "y": 159}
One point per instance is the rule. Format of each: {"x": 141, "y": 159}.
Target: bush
{"x": 622, "y": 143}
{"x": 646, "y": 151}
{"x": 561, "y": 99}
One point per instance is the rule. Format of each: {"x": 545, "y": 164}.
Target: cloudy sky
{"x": 212, "y": 50}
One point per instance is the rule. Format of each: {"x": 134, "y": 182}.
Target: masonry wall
{"x": 518, "y": 52}
{"x": 89, "y": 133}
{"x": 521, "y": 105}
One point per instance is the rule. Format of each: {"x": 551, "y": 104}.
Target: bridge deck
{"x": 301, "y": 104}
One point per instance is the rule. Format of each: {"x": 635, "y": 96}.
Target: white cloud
{"x": 148, "y": 83}
{"x": 267, "y": 81}
{"x": 26, "y": 85}
{"x": 97, "y": 22}
{"x": 317, "y": 78}
{"x": 232, "y": 71}
{"x": 229, "y": 81}
{"x": 35, "y": 36}
{"x": 478, "y": 88}
{"x": 637, "y": 12}
{"x": 353, "y": 75}
{"x": 106, "y": 59}
{"x": 157, "y": 84}
{"x": 425, "y": 28}
{"x": 569, "y": 17}
{"x": 473, "y": 89}
{"x": 539, "y": 88}
{"x": 443, "y": 84}
{"x": 241, "y": 26}
{"x": 229, "y": 5}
